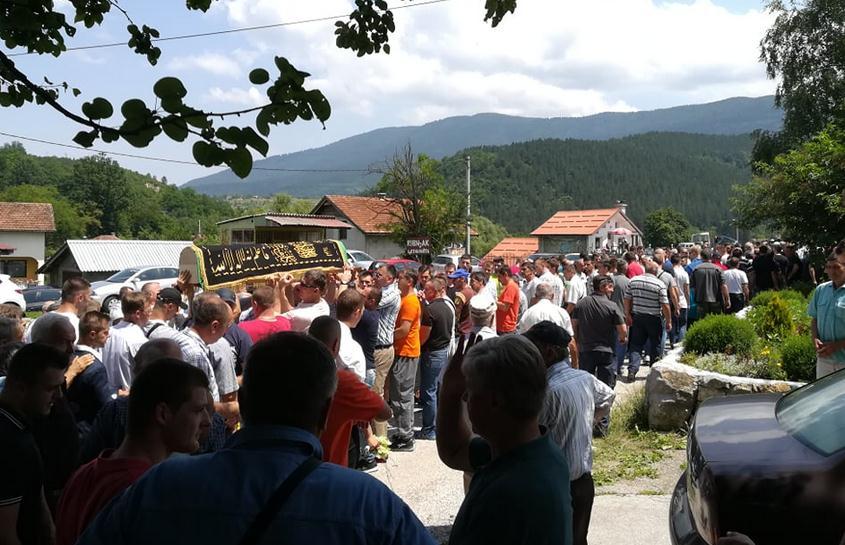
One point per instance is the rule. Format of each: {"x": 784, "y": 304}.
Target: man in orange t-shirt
{"x": 507, "y": 308}
{"x": 353, "y": 402}
{"x": 406, "y": 344}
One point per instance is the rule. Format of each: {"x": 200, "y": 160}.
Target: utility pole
{"x": 469, "y": 209}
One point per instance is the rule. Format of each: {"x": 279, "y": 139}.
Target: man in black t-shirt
{"x": 436, "y": 333}
{"x": 33, "y": 384}
{"x": 765, "y": 270}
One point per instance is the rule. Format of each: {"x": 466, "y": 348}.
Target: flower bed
{"x": 771, "y": 342}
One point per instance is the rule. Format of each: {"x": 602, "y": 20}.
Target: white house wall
{"x": 26, "y": 244}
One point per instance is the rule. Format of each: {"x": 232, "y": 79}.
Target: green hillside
{"x": 520, "y": 185}
{"x": 94, "y": 196}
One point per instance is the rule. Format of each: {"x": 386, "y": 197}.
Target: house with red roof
{"x": 514, "y": 250}
{"x": 370, "y": 219}
{"x": 588, "y": 231}
{"x": 23, "y": 230}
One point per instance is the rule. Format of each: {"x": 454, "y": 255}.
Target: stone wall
{"x": 674, "y": 390}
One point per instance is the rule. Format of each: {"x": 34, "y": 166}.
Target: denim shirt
{"x": 214, "y": 498}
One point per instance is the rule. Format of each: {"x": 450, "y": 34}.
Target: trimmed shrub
{"x": 772, "y": 320}
{"x": 799, "y": 358}
{"x": 805, "y": 288}
{"x": 723, "y": 333}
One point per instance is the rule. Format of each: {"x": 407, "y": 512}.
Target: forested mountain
{"x": 447, "y": 136}
{"x": 521, "y": 185}
{"x": 94, "y": 196}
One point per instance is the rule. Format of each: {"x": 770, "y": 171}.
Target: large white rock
{"x": 674, "y": 390}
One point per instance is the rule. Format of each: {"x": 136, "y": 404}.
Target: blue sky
{"x": 549, "y": 59}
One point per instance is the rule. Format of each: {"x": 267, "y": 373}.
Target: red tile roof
{"x": 575, "y": 222}
{"x": 26, "y": 216}
{"x": 515, "y": 247}
{"x": 371, "y": 215}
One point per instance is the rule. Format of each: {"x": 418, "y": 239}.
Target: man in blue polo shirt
{"x": 827, "y": 308}
{"x": 287, "y": 390}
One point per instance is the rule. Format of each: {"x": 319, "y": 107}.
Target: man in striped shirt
{"x": 645, "y": 300}
{"x": 575, "y": 401}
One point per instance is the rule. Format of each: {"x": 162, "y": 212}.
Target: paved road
{"x": 435, "y": 493}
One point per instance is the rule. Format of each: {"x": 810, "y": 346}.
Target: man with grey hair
{"x": 520, "y": 490}
{"x": 288, "y": 384}
{"x": 545, "y": 309}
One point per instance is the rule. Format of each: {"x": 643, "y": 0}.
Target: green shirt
{"x": 521, "y": 497}
{"x": 827, "y": 306}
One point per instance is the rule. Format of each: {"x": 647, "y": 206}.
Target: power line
{"x": 231, "y": 30}
{"x": 176, "y": 161}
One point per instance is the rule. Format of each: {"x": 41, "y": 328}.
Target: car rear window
{"x": 442, "y": 260}
{"x": 815, "y": 414}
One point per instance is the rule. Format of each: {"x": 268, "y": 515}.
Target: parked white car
{"x": 359, "y": 259}
{"x": 106, "y": 290}
{"x": 11, "y": 293}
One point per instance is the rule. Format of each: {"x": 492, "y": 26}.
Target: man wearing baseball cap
{"x": 238, "y": 339}
{"x": 575, "y": 401}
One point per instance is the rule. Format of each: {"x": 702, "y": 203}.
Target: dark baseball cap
{"x": 172, "y": 295}
{"x": 459, "y": 273}
{"x": 549, "y": 333}
{"x": 227, "y": 295}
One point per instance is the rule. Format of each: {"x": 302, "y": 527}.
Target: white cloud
{"x": 213, "y": 63}
{"x": 548, "y": 59}
{"x": 235, "y": 96}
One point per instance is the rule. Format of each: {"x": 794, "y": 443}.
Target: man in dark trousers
{"x": 711, "y": 292}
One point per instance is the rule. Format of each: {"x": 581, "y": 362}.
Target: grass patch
{"x": 33, "y": 314}
{"x": 631, "y": 450}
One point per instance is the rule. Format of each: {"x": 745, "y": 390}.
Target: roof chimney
{"x": 622, "y": 206}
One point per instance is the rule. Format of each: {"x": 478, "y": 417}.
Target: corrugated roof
{"x": 115, "y": 255}
{"x": 307, "y": 220}
{"x": 518, "y": 247}
{"x": 26, "y": 216}
{"x": 575, "y": 222}
{"x": 371, "y": 215}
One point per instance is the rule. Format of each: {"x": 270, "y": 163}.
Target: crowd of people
{"x": 181, "y": 416}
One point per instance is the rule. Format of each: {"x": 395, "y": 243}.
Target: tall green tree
{"x": 666, "y": 227}
{"x": 36, "y": 26}
{"x": 100, "y": 182}
{"x": 804, "y": 51}
{"x": 489, "y": 234}
{"x": 286, "y": 204}
{"x": 425, "y": 207}
{"x": 801, "y": 195}
{"x": 72, "y": 220}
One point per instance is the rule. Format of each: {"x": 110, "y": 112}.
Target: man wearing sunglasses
{"x": 309, "y": 292}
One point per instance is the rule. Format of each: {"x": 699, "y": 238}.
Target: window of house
{"x": 242, "y": 236}
{"x": 341, "y": 234}
{"x": 16, "y": 268}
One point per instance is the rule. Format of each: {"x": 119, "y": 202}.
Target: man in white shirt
{"x": 550, "y": 277}
{"x": 530, "y": 280}
{"x": 545, "y": 310}
{"x": 349, "y": 309}
{"x": 577, "y": 288}
{"x": 679, "y": 325}
{"x": 125, "y": 338}
{"x": 76, "y": 293}
{"x": 309, "y": 291}
{"x": 737, "y": 282}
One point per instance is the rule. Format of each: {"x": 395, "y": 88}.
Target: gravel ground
{"x": 632, "y": 512}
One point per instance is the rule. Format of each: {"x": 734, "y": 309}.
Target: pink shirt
{"x": 258, "y": 329}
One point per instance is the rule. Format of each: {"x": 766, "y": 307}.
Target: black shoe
{"x": 402, "y": 445}
{"x": 368, "y": 464}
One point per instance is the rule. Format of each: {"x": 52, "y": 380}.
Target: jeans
{"x": 401, "y": 388}
{"x": 706, "y": 309}
{"x": 370, "y": 377}
{"x": 603, "y": 366}
{"x": 431, "y": 365}
{"x": 679, "y": 327}
{"x": 737, "y": 302}
{"x": 645, "y": 329}
{"x": 621, "y": 352}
